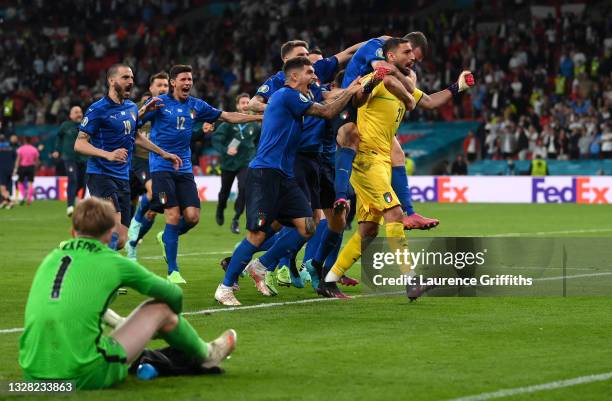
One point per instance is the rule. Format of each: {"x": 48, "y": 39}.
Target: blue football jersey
{"x": 111, "y": 126}
{"x": 281, "y": 131}
{"x": 314, "y": 127}
{"x": 324, "y": 69}
{"x": 171, "y": 128}
{"x": 361, "y": 62}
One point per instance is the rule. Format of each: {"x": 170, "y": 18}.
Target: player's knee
{"x": 192, "y": 219}
{"x": 394, "y": 215}
{"x": 309, "y": 227}
{"x": 397, "y": 156}
{"x": 170, "y": 322}
{"x": 368, "y": 230}
{"x": 348, "y": 136}
{"x": 256, "y": 238}
{"x": 150, "y": 215}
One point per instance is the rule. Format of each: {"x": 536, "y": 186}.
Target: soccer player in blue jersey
{"x": 174, "y": 192}
{"x": 309, "y": 147}
{"x": 325, "y": 70}
{"x": 107, "y": 134}
{"x": 273, "y": 194}
{"x": 141, "y": 176}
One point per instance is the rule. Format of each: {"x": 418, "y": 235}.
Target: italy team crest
{"x": 388, "y": 197}
{"x": 192, "y": 113}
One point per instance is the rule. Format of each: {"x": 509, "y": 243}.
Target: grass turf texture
{"x": 379, "y": 348}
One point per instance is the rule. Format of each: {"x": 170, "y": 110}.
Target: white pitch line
{"x": 583, "y": 231}
{"x": 573, "y": 276}
{"x": 247, "y": 307}
{"x": 537, "y": 387}
{"x": 191, "y": 254}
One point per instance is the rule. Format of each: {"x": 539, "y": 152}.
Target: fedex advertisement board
{"x": 442, "y": 189}
{"x": 55, "y": 187}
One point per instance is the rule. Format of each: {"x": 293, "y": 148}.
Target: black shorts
{"x": 113, "y": 189}
{"x": 26, "y": 174}
{"x": 171, "y": 189}
{"x": 348, "y": 115}
{"x": 272, "y": 196}
{"x": 139, "y": 175}
{"x": 6, "y": 179}
{"x": 327, "y": 194}
{"x": 306, "y": 170}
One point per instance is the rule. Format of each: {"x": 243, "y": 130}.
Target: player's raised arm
{"x": 84, "y": 147}
{"x": 257, "y": 104}
{"x": 239, "y": 118}
{"x": 345, "y": 55}
{"x": 335, "y": 106}
{"x": 435, "y": 100}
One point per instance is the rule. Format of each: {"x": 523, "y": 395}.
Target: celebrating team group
{"x": 329, "y": 128}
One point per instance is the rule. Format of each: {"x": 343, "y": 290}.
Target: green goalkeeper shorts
{"x": 107, "y": 371}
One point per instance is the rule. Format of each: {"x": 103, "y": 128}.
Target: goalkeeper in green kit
{"x": 68, "y": 302}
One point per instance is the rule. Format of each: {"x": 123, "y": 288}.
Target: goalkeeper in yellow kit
{"x": 378, "y": 118}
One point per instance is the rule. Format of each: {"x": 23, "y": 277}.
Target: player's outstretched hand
{"x": 176, "y": 161}
{"x": 466, "y": 80}
{"x": 153, "y": 104}
{"x": 118, "y": 155}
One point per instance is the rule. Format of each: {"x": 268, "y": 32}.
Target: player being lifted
{"x": 377, "y": 123}
{"x": 63, "y": 337}
{"x": 141, "y": 176}
{"x": 273, "y": 194}
{"x": 400, "y": 84}
{"x": 107, "y": 134}
{"x": 174, "y": 192}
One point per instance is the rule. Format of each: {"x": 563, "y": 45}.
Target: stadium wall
{"x": 442, "y": 189}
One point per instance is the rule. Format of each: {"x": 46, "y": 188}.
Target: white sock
{"x": 332, "y": 277}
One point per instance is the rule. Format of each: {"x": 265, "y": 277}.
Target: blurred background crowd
{"x": 543, "y": 68}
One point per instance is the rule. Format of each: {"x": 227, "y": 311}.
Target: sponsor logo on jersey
{"x": 303, "y": 98}
{"x": 379, "y": 53}
{"x": 85, "y": 121}
{"x": 263, "y": 89}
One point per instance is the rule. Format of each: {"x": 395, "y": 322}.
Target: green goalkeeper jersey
{"x": 70, "y": 293}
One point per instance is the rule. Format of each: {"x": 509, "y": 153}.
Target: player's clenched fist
{"x": 466, "y": 80}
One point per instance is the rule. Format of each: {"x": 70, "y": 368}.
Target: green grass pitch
{"x": 368, "y": 348}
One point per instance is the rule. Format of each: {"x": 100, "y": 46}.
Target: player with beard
{"x": 175, "y": 192}
{"x": 107, "y": 135}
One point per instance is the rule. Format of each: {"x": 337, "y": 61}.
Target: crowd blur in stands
{"x": 543, "y": 87}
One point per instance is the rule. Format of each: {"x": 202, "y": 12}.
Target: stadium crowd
{"x": 536, "y": 93}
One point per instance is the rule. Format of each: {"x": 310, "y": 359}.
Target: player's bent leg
{"x": 168, "y": 239}
{"x": 399, "y": 182}
{"x": 348, "y": 139}
{"x": 142, "y": 324}
{"x": 190, "y": 218}
{"x": 122, "y": 233}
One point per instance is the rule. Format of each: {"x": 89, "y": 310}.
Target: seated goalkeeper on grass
{"x": 68, "y": 302}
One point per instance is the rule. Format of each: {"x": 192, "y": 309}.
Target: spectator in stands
{"x": 459, "y": 166}
{"x": 606, "y": 142}
{"x": 508, "y": 142}
{"x": 471, "y": 147}
{"x": 522, "y": 143}
{"x": 441, "y": 168}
